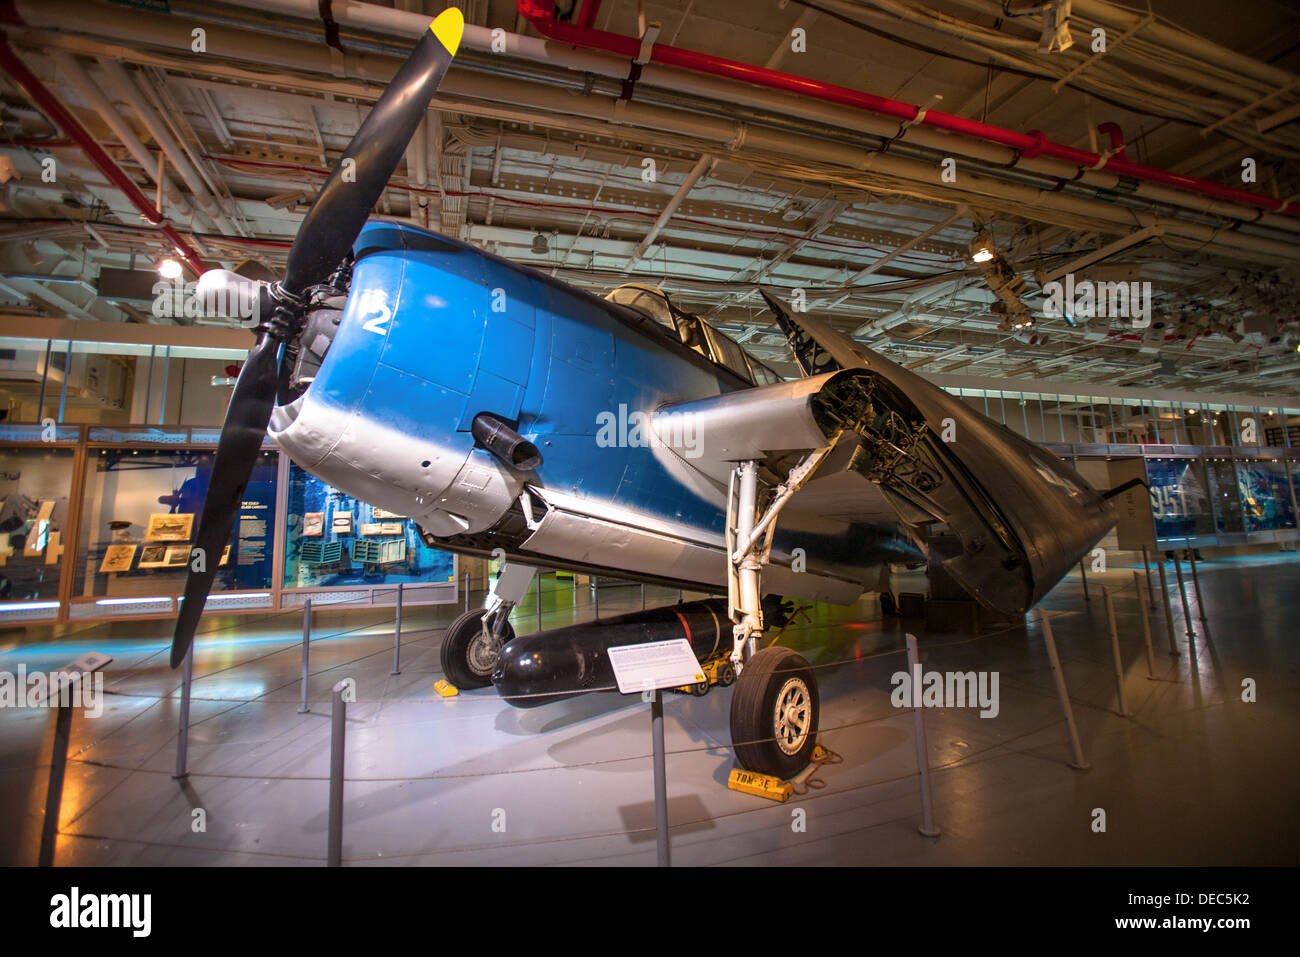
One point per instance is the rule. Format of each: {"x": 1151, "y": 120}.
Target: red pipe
{"x": 55, "y": 111}
{"x": 1116, "y": 138}
{"x": 540, "y": 14}
{"x": 587, "y": 16}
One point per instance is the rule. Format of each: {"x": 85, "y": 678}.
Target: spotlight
{"x": 981, "y": 248}
{"x": 169, "y": 268}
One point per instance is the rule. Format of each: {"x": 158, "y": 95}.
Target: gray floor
{"x": 1193, "y": 776}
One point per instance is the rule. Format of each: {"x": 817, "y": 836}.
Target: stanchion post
{"x": 1169, "y": 611}
{"x": 183, "y": 732}
{"x": 595, "y": 595}
{"x": 54, "y": 790}
{"x": 1196, "y": 585}
{"x": 1059, "y": 677}
{"x": 661, "y": 777}
{"x": 467, "y": 591}
{"x": 397, "y": 634}
{"x": 306, "y": 652}
{"x": 537, "y": 579}
{"x": 1151, "y": 595}
{"x": 927, "y": 826}
{"x": 1114, "y": 648}
{"x": 338, "y": 728}
{"x": 1182, "y": 593}
{"x": 1146, "y": 626}
{"x": 1083, "y": 573}
{"x": 643, "y": 596}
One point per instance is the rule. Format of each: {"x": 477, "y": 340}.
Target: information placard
{"x": 655, "y": 664}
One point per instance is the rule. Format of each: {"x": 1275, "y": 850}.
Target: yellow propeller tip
{"x": 448, "y": 27}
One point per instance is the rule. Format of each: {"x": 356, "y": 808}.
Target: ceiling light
{"x": 981, "y": 248}
{"x": 540, "y": 246}
{"x": 169, "y": 268}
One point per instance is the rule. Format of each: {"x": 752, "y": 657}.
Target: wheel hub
{"x": 791, "y": 716}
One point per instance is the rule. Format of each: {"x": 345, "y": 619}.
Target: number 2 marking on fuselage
{"x": 378, "y": 324}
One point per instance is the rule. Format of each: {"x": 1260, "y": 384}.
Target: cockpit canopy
{"x": 695, "y": 332}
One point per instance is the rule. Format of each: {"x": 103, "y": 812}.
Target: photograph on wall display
{"x": 177, "y": 555}
{"x": 153, "y": 556}
{"x": 313, "y": 524}
{"x": 117, "y": 558}
{"x": 165, "y": 527}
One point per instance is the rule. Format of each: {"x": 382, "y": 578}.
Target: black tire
{"x": 700, "y": 688}
{"x": 764, "y": 743}
{"x": 726, "y": 674}
{"x": 457, "y": 663}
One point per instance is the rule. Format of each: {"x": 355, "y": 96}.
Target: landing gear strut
{"x": 475, "y": 639}
{"x": 775, "y": 707}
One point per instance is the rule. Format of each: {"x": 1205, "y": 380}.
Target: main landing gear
{"x": 475, "y": 639}
{"x": 775, "y": 708}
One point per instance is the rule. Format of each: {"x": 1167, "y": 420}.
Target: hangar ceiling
{"x": 539, "y": 152}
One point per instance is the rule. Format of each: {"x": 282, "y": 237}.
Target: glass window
{"x": 1180, "y": 504}
{"x": 1265, "y": 496}
{"x": 34, "y": 487}
{"x": 727, "y": 352}
{"x": 140, "y": 517}
{"x": 336, "y": 540}
{"x": 647, "y": 300}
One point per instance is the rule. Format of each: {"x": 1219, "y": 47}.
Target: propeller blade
{"x": 241, "y": 441}
{"x": 356, "y": 183}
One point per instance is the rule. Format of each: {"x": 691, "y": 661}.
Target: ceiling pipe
{"x": 174, "y": 32}
{"x": 72, "y": 70}
{"x": 121, "y": 86}
{"x": 587, "y": 15}
{"x": 64, "y": 120}
{"x": 540, "y": 13}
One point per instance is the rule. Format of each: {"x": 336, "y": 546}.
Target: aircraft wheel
{"x": 468, "y": 656}
{"x": 774, "y": 713}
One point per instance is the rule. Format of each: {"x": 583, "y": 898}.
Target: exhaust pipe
{"x": 499, "y": 437}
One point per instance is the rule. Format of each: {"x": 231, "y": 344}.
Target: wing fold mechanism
{"x": 1022, "y": 516}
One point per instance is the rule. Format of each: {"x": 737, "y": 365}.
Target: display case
{"x": 36, "y": 511}
{"x": 1265, "y": 491}
{"x": 338, "y": 545}
{"x": 140, "y": 520}
{"x": 1180, "y": 500}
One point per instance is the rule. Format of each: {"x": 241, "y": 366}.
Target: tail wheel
{"x": 774, "y": 713}
{"x": 469, "y": 656}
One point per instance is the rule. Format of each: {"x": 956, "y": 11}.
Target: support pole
{"x": 1169, "y": 611}
{"x": 537, "y": 580}
{"x": 1083, "y": 573}
{"x": 1182, "y": 593}
{"x": 1196, "y": 585}
{"x": 183, "y": 733}
{"x": 1151, "y": 595}
{"x": 397, "y": 634}
{"x": 643, "y": 596}
{"x": 1114, "y": 649}
{"x": 338, "y": 728}
{"x": 54, "y": 791}
{"x": 926, "y": 826}
{"x": 661, "y": 777}
{"x": 1059, "y": 677}
{"x": 306, "y": 643}
{"x": 467, "y": 579}
{"x": 1146, "y": 626}
{"x": 595, "y": 595}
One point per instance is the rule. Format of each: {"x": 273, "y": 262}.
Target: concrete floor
{"x": 1192, "y": 776}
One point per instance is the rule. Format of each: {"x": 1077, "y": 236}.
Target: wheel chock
{"x": 445, "y": 688}
{"x": 761, "y": 785}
